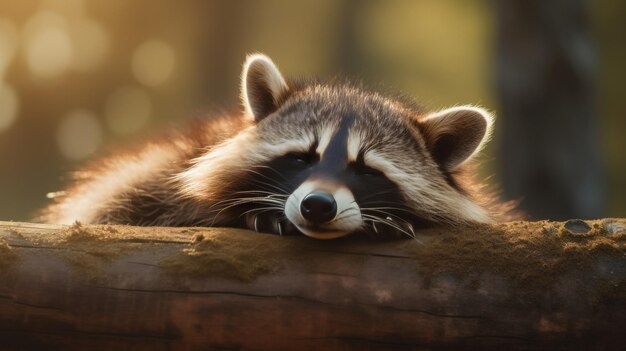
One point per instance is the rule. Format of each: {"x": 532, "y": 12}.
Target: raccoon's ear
{"x": 262, "y": 85}
{"x": 455, "y": 135}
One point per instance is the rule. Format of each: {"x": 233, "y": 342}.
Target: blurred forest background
{"x": 77, "y": 76}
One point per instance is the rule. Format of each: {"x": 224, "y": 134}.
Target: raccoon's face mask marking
{"x": 333, "y": 192}
{"x": 337, "y": 196}
{"x": 323, "y": 206}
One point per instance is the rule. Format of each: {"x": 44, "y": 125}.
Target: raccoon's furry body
{"x": 322, "y": 159}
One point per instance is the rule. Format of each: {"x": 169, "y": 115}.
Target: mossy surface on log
{"x": 526, "y": 252}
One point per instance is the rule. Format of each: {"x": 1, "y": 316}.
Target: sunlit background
{"x": 77, "y": 76}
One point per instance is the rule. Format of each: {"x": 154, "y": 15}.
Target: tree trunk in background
{"x": 347, "y": 52}
{"x": 219, "y": 52}
{"x": 549, "y": 146}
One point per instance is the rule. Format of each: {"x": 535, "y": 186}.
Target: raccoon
{"x": 322, "y": 159}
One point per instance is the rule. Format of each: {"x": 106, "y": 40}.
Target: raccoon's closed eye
{"x": 361, "y": 168}
{"x": 304, "y": 158}
{"x": 365, "y": 170}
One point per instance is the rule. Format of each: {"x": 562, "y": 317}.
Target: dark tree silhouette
{"x": 549, "y": 147}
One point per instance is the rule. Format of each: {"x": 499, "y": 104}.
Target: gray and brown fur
{"x": 236, "y": 169}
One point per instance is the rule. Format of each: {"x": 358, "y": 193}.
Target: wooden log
{"x": 521, "y": 285}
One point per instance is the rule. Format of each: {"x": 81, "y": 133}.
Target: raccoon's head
{"x": 329, "y": 160}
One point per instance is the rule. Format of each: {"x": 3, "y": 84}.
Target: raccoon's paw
{"x": 272, "y": 223}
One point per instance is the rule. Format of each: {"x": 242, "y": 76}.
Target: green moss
{"x": 228, "y": 253}
{"x": 85, "y": 248}
{"x": 529, "y": 254}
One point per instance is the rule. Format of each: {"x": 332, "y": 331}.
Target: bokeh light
{"x": 153, "y": 62}
{"x": 72, "y": 8}
{"x": 127, "y": 109}
{"x": 79, "y": 134}
{"x": 91, "y": 43}
{"x": 9, "y": 106}
{"x": 49, "y": 51}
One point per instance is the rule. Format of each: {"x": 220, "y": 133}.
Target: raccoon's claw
{"x": 277, "y": 227}
{"x": 283, "y": 227}
{"x": 269, "y": 223}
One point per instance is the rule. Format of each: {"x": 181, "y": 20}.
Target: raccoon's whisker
{"x": 260, "y": 210}
{"x": 410, "y": 226}
{"x": 372, "y": 220}
{"x": 398, "y": 228}
{"x": 262, "y": 200}
{"x": 386, "y": 208}
{"x": 378, "y": 211}
{"x": 218, "y": 214}
{"x": 390, "y": 208}
{"x": 386, "y": 213}
{"x": 402, "y": 229}
{"x": 269, "y": 193}
{"x": 346, "y": 216}
{"x": 235, "y": 202}
{"x": 274, "y": 187}
{"x": 274, "y": 170}
{"x": 274, "y": 184}
{"x": 403, "y": 226}
{"x": 388, "y": 221}
{"x": 241, "y": 200}
{"x": 347, "y": 209}
{"x": 271, "y": 184}
{"x": 371, "y": 217}
{"x": 231, "y": 205}
{"x": 384, "y": 203}
{"x": 263, "y": 209}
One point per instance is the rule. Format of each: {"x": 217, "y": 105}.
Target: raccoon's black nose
{"x": 318, "y": 207}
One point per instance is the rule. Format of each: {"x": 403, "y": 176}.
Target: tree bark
{"x": 522, "y": 285}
